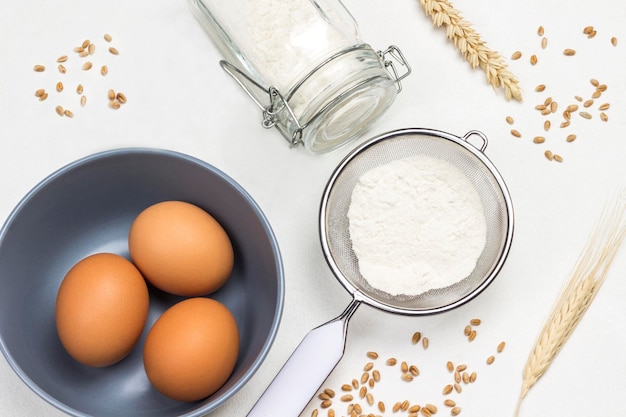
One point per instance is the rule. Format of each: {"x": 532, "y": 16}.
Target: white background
{"x": 180, "y": 99}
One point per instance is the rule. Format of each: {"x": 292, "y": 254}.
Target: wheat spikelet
{"x": 472, "y": 47}
{"x": 583, "y": 284}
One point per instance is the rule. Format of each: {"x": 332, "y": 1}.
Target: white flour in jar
{"x": 287, "y": 38}
{"x": 416, "y": 224}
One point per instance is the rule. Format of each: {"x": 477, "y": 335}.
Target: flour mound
{"x": 416, "y": 224}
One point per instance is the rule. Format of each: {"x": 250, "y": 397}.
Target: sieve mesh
{"x": 334, "y": 223}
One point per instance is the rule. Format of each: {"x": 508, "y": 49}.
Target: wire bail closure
{"x": 390, "y": 59}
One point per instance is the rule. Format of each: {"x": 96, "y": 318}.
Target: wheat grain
{"x": 472, "y": 47}
{"x": 582, "y": 286}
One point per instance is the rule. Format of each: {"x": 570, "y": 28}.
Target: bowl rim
{"x": 278, "y": 311}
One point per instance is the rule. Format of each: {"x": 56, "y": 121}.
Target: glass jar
{"x": 304, "y": 64}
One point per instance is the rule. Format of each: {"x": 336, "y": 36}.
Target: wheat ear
{"x": 472, "y": 47}
{"x": 582, "y": 286}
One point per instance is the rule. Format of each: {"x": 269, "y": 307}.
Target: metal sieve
{"x": 322, "y": 348}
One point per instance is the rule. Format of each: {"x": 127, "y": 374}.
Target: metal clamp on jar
{"x": 304, "y": 64}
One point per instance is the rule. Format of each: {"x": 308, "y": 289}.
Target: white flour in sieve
{"x": 416, "y": 224}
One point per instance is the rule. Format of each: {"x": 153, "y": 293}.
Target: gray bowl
{"x": 88, "y": 207}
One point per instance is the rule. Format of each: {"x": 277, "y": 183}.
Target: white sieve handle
{"x": 306, "y": 369}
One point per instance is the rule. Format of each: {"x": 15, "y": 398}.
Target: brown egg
{"x": 101, "y": 309}
{"x": 181, "y": 248}
{"x": 191, "y": 350}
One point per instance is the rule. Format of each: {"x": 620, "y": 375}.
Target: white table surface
{"x": 179, "y": 98}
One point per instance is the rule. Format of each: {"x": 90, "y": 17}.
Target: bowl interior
{"x": 88, "y": 207}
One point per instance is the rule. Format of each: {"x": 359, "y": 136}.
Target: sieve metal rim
{"x": 357, "y": 293}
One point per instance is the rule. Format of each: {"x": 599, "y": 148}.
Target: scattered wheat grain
{"x": 549, "y": 155}
{"x": 539, "y": 139}
{"x": 490, "y": 359}
{"x": 475, "y": 322}
{"x": 614, "y": 41}
{"x": 540, "y": 88}
{"x": 326, "y": 403}
{"x": 416, "y": 337}
{"x": 114, "y": 51}
{"x": 62, "y": 69}
{"x": 503, "y": 344}
{"x": 587, "y": 30}
{"x": 425, "y": 343}
{"x": 540, "y": 31}
{"x": 40, "y": 92}
{"x": 391, "y": 361}
{"x": 62, "y": 58}
{"x": 447, "y": 389}
{"x": 368, "y": 366}
{"x": 346, "y": 398}
{"x": 68, "y": 113}
{"x": 85, "y": 43}
{"x": 104, "y": 70}
{"x": 533, "y": 59}
{"x": 83, "y": 101}
{"x": 114, "y": 104}
{"x": 588, "y": 103}
{"x": 604, "y": 117}
{"x": 39, "y": 68}
{"x": 331, "y": 413}
{"x": 315, "y": 413}
{"x": 414, "y": 370}
{"x": 516, "y": 55}
{"x": 570, "y": 138}
{"x": 83, "y": 54}
{"x": 79, "y": 89}
{"x": 517, "y": 134}
{"x": 473, "y": 377}
{"x": 472, "y": 335}
{"x": 91, "y": 49}
{"x": 578, "y": 98}
{"x": 449, "y": 403}
{"x": 371, "y": 354}
{"x": 546, "y": 125}
{"x": 465, "y": 377}
{"x": 572, "y": 108}
{"x": 457, "y": 387}
{"x": 450, "y": 366}
{"x": 323, "y": 396}
{"x": 461, "y": 368}
{"x": 414, "y": 408}
{"x": 363, "y": 392}
{"x": 346, "y": 387}
{"x": 59, "y": 86}
{"x": 468, "y": 329}
{"x": 554, "y": 106}
{"x": 544, "y": 42}
{"x": 596, "y": 94}
{"x": 455, "y": 411}
{"x": 87, "y": 66}
{"x": 585, "y": 115}
{"x": 592, "y": 34}
{"x": 121, "y": 97}
{"x": 569, "y": 52}
{"x": 79, "y": 49}
{"x": 558, "y": 158}
{"x": 107, "y": 37}
{"x": 510, "y": 120}
{"x": 602, "y": 87}
{"x": 381, "y": 406}
{"x": 604, "y": 106}
{"x": 565, "y": 124}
